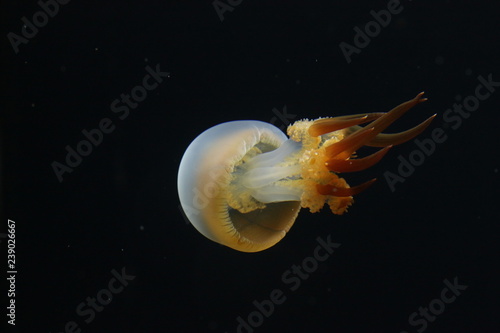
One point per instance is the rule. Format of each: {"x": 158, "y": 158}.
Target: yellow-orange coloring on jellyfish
{"x": 242, "y": 183}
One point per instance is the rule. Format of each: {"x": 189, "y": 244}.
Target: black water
{"x": 80, "y": 221}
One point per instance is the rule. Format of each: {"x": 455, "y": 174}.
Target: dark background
{"x": 119, "y": 208}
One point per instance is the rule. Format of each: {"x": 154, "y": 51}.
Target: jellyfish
{"x": 242, "y": 183}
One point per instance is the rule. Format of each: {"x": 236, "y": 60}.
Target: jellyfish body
{"x": 242, "y": 183}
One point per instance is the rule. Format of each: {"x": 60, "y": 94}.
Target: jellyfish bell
{"x": 206, "y": 175}
{"x": 242, "y": 183}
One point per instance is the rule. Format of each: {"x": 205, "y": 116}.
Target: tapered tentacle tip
{"x": 422, "y": 126}
{"x": 352, "y": 165}
{"x": 419, "y": 97}
{"x": 366, "y": 185}
{"x": 383, "y": 139}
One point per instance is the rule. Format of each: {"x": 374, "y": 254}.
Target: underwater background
{"x": 101, "y": 244}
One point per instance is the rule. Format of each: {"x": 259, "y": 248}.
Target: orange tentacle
{"x": 344, "y": 148}
{"x": 352, "y": 165}
{"x": 328, "y": 125}
{"x": 383, "y": 139}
